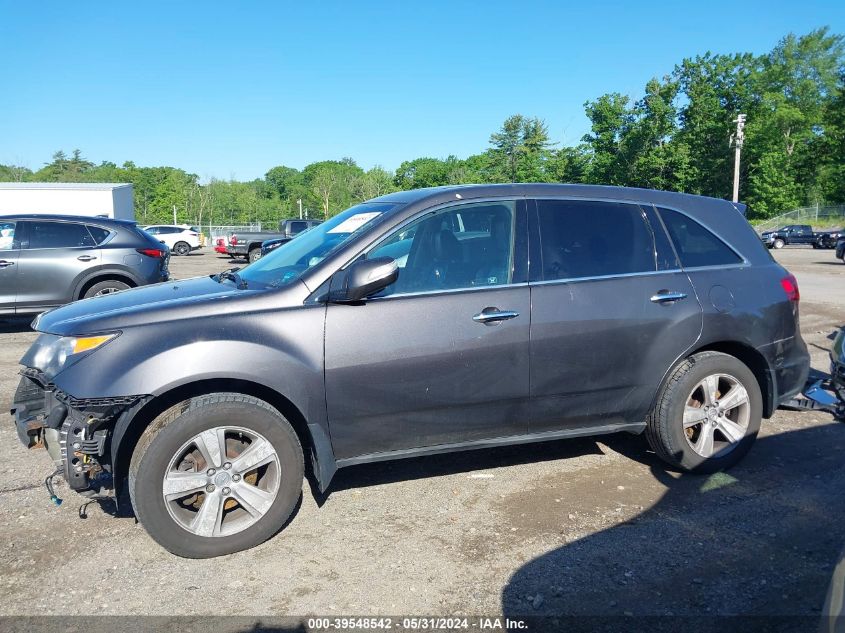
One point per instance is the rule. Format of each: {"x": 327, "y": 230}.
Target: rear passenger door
{"x": 611, "y": 312}
{"x": 9, "y": 250}
{"x": 53, "y": 256}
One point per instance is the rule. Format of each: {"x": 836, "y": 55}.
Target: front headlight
{"x": 55, "y": 353}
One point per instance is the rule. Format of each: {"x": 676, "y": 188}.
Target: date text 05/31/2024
{"x": 416, "y": 624}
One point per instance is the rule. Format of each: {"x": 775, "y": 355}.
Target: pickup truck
{"x": 790, "y": 234}
{"x": 248, "y": 244}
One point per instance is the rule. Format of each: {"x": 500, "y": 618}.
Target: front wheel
{"x": 216, "y": 474}
{"x": 779, "y": 243}
{"x": 707, "y": 415}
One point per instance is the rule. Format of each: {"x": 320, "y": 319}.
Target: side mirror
{"x": 363, "y": 279}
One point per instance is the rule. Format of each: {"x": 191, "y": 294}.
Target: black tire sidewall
{"x": 147, "y": 478}
{"x": 100, "y": 285}
{"x": 181, "y": 248}
{"x": 254, "y": 255}
{"x": 705, "y": 366}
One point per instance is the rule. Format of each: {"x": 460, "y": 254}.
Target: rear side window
{"x": 696, "y": 245}
{"x": 58, "y": 235}
{"x": 99, "y": 234}
{"x": 297, "y": 227}
{"x": 593, "y": 239}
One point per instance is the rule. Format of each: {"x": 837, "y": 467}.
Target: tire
{"x": 778, "y": 243}
{"x": 254, "y": 255}
{"x": 665, "y": 424}
{"x": 104, "y": 288}
{"x": 157, "y": 454}
{"x": 181, "y": 248}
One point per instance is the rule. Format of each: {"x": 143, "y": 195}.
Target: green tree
{"x": 520, "y": 150}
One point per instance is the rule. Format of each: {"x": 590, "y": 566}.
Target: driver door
{"x": 440, "y": 357}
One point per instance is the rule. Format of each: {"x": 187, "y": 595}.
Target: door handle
{"x": 492, "y": 316}
{"x": 4, "y": 263}
{"x": 86, "y": 258}
{"x": 667, "y": 296}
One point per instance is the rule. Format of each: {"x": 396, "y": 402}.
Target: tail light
{"x": 151, "y": 252}
{"x": 790, "y": 287}
{"x": 233, "y": 240}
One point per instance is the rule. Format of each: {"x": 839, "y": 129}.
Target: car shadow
{"x": 760, "y": 541}
{"x": 14, "y": 325}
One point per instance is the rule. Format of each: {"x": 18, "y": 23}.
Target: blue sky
{"x": 232, "y": 89}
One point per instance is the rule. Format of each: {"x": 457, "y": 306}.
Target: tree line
{"x": 676, "y": 136}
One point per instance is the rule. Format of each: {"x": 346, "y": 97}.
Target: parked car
{"x": 181, "y": 239}
{"x": 827, "y": 239}
{"x": 790, "y": 234}
{"x": 248, "y": 244}
{"x": 424, "y": 321}
{"x": 840, "y": 248}
{"x": 49, "y": 260}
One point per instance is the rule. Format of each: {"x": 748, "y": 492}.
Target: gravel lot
{"x": 575, "y": 527}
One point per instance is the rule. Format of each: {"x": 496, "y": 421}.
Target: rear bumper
{"x": 789, "y": 366}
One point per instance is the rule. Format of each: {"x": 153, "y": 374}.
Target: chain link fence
{"x": 820, "y": 218}
{"x": 212, "y": 232}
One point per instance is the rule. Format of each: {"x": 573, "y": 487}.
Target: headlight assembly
{"x": 55, "y": 353}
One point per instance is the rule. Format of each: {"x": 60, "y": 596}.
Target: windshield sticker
{"x": 350, "y": 225}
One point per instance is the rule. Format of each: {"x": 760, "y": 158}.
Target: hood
{"x": 200, "y": 296}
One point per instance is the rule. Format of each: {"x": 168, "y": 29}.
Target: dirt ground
{"x": 578, "y": 527}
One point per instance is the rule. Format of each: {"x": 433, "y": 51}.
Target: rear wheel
{"x": 254, "y": 255}
{"x": 105, "y": 288}
{"x": 181, "y": 248}
{"x": 707, "y": 415}
{"x": 216, "y": 474}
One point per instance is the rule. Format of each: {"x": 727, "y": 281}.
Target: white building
{"x": 104, "y": 199}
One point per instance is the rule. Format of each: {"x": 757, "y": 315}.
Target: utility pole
{"x": 299, "y": 202}
{"x": 737, "y": 140}
{"x": 174, "y": 214}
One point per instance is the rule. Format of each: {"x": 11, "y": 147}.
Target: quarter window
{"x": 99, "y": 234}
{"x": 58, "y": 235}
{"x": 593, "y": 239}
{"x": 696, "y": 245}
{"x": 465, "y": 246}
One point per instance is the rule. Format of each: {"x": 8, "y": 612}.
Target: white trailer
{"x": 111, "y": 200}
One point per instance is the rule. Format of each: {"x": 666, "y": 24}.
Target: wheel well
{"x": 159, "y": 404}
{"x": 108, "y": 277}
{"x": 755, "y": 361}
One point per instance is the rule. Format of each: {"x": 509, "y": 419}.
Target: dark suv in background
{"x": 420, "y": 322}
{"x": 50, "y": 260}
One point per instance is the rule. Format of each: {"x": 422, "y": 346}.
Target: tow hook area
{"x": 821, "y": 393}
{"x": 74, "y": 431}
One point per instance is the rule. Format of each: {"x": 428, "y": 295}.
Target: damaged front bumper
{"x": 75, "y": 431}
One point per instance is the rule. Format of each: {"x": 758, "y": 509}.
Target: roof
{"x": 537, "y": 189}
{"x": 66, "y": 186}
{"x": 87, "y": 219}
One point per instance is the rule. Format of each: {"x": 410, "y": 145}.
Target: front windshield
{"x": 287, "y": 263}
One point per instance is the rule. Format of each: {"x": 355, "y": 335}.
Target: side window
{"x": 7, "y": 236}
{"x": 593, "y": 239}
{"x": 696, "y": 245}
{"x": 99, "y": 234}
{"x": 153, "y": 230}
{"x": 297, "y": 227}
{"x": 464, "y": 246}
{"x": 58, "y": 235}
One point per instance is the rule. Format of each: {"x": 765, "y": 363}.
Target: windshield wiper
{"x": 233, "y": 275}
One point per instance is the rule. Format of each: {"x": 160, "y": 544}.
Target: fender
{"x": 103, "y": 271}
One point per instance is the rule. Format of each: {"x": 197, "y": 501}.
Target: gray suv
{"x": 420, "y": 322}
{"x": 49, "y": 260}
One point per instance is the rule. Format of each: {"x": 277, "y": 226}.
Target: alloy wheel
{"x": 716, "y": 415}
